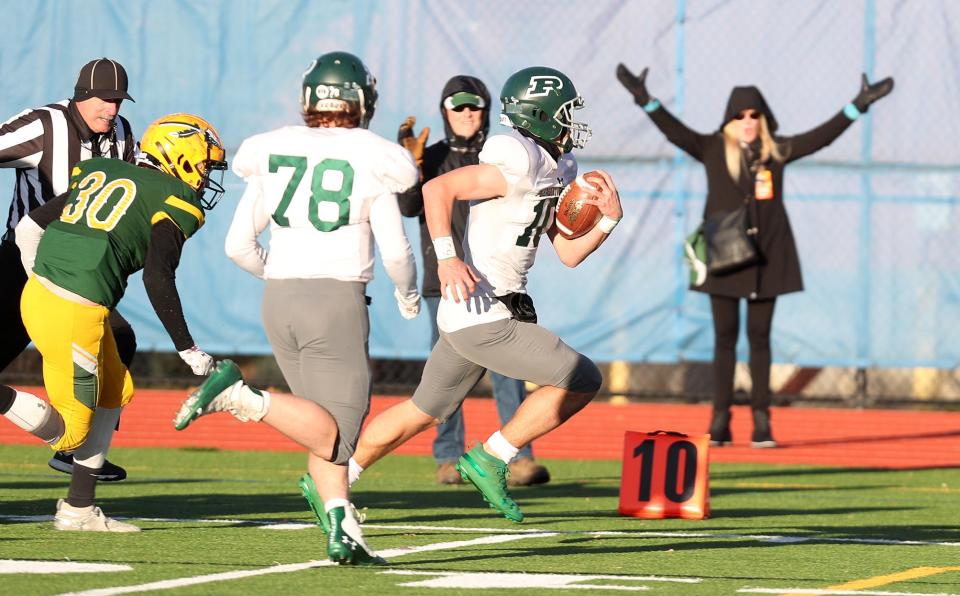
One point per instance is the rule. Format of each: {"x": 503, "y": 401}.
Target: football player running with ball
{"x": 486, "y": 318}
{"x": 80, "y": 248}
{"x": 327, "y": 190}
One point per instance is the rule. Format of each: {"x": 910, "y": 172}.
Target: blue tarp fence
{"x": 876, "y": 214}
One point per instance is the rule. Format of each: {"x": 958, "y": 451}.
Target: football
{"x": 574, "y": 217}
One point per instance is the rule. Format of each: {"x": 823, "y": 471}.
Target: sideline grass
{"x": 772, "y": 527}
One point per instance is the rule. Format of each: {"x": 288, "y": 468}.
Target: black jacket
{"x": 449, "y": 154}
{"x": 779, "y": 271}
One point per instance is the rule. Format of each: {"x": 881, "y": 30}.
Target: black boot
{"x": 720, "y": 428}
{"x": 762, "y": 435}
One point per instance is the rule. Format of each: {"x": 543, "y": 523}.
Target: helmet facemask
{"x": 211, "y": 187}
{"x": 576, "y": 134}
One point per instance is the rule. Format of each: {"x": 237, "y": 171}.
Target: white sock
{"x": 70, "y": 510}
{"x": 251, "y": 404}
{"x": 502, "y": 447}
{"x": 334, "y": 503}
{"x": 353, "y": 471}
{"x": 261, "y": 401}
{"x": 93, "y": 452}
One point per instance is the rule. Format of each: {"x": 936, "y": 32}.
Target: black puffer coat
{"x": 449, "y": 154}
{"x": 779, "y": 271}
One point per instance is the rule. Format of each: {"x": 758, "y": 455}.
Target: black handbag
{"x": 731, "y": 240}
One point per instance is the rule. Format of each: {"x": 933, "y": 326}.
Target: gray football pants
{"x": 318, "y": 329}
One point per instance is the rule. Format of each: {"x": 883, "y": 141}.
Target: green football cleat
{"x": 204, "y": 400}
{"x": 309, "y": 490}
{"x": 489, "y": 475}
{"x": 345, "y": 544}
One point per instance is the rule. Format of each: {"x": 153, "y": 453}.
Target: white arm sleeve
{"x": 28, "y": 235}
{"x": 398, "y": 172}
{"x": 249, "y": 220}
{"x": 387, "y": 226}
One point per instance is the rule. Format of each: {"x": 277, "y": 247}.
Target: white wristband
{"x": 443, "y": 246}
{"x": 606, "y": 224}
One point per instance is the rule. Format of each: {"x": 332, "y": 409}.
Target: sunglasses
{"x": 751, "y": 115}
{"x": 467, "y": 107}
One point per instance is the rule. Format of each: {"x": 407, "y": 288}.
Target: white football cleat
{"x": 68, "y": 519}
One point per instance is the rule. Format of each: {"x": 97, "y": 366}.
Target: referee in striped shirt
{"x": 43, "y": 144}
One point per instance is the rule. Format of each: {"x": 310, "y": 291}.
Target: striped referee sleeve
{"x": 21, "y": 140}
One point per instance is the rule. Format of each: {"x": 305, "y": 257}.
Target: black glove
{"x": 871, "y": 93}
{"x": 636, "y": 85}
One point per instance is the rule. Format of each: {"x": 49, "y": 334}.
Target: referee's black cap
{"x": 103, "y": 78}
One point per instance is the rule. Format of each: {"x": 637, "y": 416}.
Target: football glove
{"x": 413, "y": 144}
{"x": 409, "y": 307}
{"x": 198, "y": 360}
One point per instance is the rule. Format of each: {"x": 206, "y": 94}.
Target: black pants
{"x": 14, "y": 338}
{"x": 726, "y": 327}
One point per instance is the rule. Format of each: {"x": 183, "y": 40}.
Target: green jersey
{"x": 103, "y": 233}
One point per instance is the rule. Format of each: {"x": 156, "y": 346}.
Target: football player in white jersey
{"x": 486, "y": 318}
{"x": 328, "y": 191}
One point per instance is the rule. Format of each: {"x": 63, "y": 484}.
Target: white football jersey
{"x": 503, "y": 233}
{"x": 327, "y": 194}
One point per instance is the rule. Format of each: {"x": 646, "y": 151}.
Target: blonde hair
{"x": 731, "y": 145}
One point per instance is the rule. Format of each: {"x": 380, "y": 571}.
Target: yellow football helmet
{"x": 188, "y": 148}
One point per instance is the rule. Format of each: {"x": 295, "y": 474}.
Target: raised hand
{"x": 635, "y": 84}
{"x": 413, "y": 144}
{"x": 870, "y": 93}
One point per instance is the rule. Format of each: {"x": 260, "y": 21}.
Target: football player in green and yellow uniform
{"x": 80, "y": 248}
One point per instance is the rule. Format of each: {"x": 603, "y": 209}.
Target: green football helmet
{"x": 338, "y": 78}
{"x": 541, "y": 101}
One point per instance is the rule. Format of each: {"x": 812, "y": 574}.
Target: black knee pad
{"x": 586, "y": 377}
{"x": 7, "y": 395}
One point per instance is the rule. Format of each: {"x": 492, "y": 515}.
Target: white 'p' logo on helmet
{"x": 542, "y": 85}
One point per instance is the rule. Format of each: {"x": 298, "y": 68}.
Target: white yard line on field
{"x": 293, "y": 567}
{"x": 286, "y": 525}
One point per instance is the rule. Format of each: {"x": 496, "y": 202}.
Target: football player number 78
{"x": 318, "y": 194}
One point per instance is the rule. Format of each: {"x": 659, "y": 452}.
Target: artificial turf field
{"x": 219, "y": 522}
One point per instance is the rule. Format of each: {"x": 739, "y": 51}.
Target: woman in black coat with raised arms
{"x": 744, "y": 161}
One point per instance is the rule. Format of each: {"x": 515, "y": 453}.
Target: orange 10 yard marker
{"x": 665, "y": 474}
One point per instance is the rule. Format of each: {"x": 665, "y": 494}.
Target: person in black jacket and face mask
{"x": 744, "y": 160}
{"x": 465, "y": 107}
